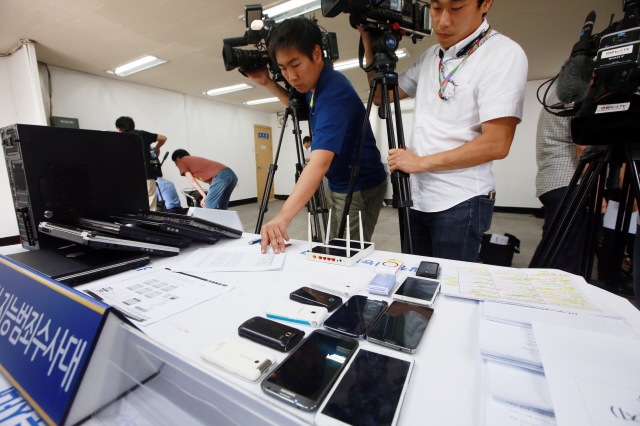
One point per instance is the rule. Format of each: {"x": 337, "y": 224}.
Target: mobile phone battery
{"x": 382, "y": 284}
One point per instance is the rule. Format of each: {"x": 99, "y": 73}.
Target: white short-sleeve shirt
{"x": 490, "y": 84}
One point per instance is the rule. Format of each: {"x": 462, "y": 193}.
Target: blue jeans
{"x": 455, "y": 233}
{"x": 220, "y": 190}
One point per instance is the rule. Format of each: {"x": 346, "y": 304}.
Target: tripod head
{"x": 297, "y": 101}
{"x": 384, "y": 43}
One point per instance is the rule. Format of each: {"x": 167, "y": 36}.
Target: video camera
{"x": 602, "y": 93}
{"x": 388, "y": 20}
{"x": 259, "y": 31}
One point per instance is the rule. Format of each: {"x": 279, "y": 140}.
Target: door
{"x": 264, "y": 157}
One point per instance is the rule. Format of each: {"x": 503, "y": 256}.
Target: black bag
{"x": 498, "y": 254}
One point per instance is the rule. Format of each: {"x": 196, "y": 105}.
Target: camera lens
{"x": 244, "y": 59}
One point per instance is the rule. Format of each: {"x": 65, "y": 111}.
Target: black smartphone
{"x": 428, "y": 270}
{"x": 356, "y": 316}
{"x": 307, "y": 374}
{"x": 401, "y": 326}
{"x": 271, "y": 333}
{"x": 311, "y": 296}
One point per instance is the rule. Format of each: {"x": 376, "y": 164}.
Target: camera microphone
{"x": 235, "y": 41}
{"x": 574, "y": 79}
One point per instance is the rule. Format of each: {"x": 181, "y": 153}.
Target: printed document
{"x": 219, "y": 259}
{"x": 538, "y": 288}
{"x": 153, "y": 294}
{"x": 593, "y": 378}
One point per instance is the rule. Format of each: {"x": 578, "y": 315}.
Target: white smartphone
{"x": 342, "y": 288}
{"x": 419, "y": 291}
{"x": 239, "y": 359}
{"x": 288, "y": 310}
{"x": 370, "y": 391}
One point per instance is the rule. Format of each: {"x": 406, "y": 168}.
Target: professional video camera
{"x": 602, "y": 94}
{"x": 258, "y": 33}
{"x": 387, "y": 20}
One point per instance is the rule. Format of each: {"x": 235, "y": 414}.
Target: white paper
{"x": 502, "y": 240}
{"x": 219, "y": 259}
{"x": 519, "y": 386}
{"x": 228, "y": 218}
{"x": 538, "y": 288}
{"x": 507, "y": 414}
{"x": 611, "y": 217}
{"x": 523, "y": 316}
{"x": 509, "y": 342}
{"x": 591, "y": 376}
{"x": 153, "y": 294}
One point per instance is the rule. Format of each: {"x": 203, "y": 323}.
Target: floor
{"x": 386, "y": 236}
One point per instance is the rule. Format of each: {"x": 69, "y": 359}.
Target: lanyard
{"x": 444, "y": 81}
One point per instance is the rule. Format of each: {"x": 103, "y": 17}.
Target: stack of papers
{"x": 219, "y": 259}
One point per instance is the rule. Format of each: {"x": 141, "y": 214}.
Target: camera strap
{"x": 445, "y": 91}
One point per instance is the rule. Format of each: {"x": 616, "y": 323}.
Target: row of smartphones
{"x": 370, "y": 383}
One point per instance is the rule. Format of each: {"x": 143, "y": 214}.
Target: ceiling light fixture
{"x": 292, "y": 8}
{"x": 228, "y": 89}
{"x": 137, "y": 66}
{"x": 261, "y": 101}
{"x": 353, "y": 63}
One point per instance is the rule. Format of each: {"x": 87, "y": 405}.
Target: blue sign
{"x": 47, "y": 335}
{"x": 263, "y": 135}
{"x": 391, "y": 42}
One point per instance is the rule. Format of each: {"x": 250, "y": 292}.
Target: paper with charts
{"x": 538, "y": 288}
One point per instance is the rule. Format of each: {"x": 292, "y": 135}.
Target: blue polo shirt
{"x": 336, "y": 118}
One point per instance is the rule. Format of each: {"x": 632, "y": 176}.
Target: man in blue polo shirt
{"x": 336, "y": 115}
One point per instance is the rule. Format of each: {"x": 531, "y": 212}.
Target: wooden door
{"x": 264, "y": 157}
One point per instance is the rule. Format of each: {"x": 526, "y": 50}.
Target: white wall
{"x": 21, "y": 103}
{"x": 204, "y": 127}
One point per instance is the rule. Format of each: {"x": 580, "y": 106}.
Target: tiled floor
{"x": 386, "y": 236}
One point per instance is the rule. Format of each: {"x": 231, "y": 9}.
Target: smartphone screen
{"x": 356, "y": 316}
{"x": 311, "y": 369}
{"x": 370, "y": 391}
{"x": 417, "y": 288}
{"x": 401, "y": 326}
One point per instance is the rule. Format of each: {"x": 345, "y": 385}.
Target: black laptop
{"x": 75, "y": 264}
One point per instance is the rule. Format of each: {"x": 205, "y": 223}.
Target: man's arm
{"x": 368, "y": 55}
{"x": 261, "y": 76}
{"x": 274, "y": 232}
{"x": 493, "y": 144}
{"x": 161, "y": 140}
{"x": 196, "y": 186}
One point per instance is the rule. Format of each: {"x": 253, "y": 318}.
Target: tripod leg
{"x": 270, "y": 174}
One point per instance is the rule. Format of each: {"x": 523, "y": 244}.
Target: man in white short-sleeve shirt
{"x": 469, "y": 95}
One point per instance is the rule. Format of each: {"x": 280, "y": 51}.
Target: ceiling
{"x": 96, "y": 35}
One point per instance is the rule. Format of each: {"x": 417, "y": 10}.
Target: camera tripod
{"x": 586, "y": 190}
{"x": 384, "y": 64}
{"x": 317, "y": 205}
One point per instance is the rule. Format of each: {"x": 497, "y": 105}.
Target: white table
{"x": 445, "y": 384}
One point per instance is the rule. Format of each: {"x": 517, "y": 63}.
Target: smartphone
{"x": 428, "y": 270}
{"x": 401, "y": 326}
{"x": 420, "y": 291}
{"x": 288, "y": 310}
{"x": 370, "y": 391}
{"x": 241, "y": 360}
{"x": 306, "y": 375}
{"x": 273, "y": 334}
{"x": 311, "y": 296}
{"x": 356, "y": 316}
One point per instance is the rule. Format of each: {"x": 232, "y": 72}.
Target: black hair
{"x": 306, "y": 139}
{"x": 125, "y": 124}
{"x": 298, "y": 33}
{"x": 179, "y": 153}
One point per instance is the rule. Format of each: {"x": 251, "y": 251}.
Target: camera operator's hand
{"x": 260, "y": 76}
{"x": 404, "y": 160}
{"x": 274, "y": 233}
{"x": 203, "y": 204}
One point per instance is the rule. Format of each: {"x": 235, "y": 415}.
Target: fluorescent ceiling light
{"x": 137, "y": 66}
{"x": 228, "y": 89}
{"x": 353, "y": 63}
{"x": 292, "y": 8}
{"x": 262, "y": 101}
